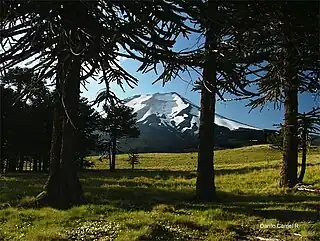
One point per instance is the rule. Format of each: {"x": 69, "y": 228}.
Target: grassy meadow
{"x": 155, "y": 201}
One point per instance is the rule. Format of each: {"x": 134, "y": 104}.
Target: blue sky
{"x": 236, "y": 110}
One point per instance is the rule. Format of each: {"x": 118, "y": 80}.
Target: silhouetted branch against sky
{"x": 144, "y": 31}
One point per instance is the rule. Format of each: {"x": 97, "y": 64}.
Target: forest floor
{"x": 155, "y": 201}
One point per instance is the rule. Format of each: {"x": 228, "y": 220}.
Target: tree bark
{"x": 45, "y": 163}
{"x": 35, "y": 164}
{"x": 113, "y": 154}
{"x": 288, "y": 175}
{"x": 63, "y": 188}
{"x": 1, "y": 164}
{"x": 51, "y": 193}
{"x": 40, "y": 165}
{"x": 290, "y": 143}
{"x": 71, "y": 186}
{"x": 12, "y": 164}
{"x": 205, "y": 186}
{"x": 304, "y": 156}
{"x": 21, "y": 163}
{"x": 109, "y": 154}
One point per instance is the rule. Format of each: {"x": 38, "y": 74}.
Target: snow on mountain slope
{"x": 231, "y": 124}
{"x": 137, "y": 103}
{"x": 172, "y": 110}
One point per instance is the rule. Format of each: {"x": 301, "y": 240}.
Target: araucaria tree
{"x": 74, "y": 40}
{"x": 289, "y": 50}
{"x": 224, "y": 70}
{"x": 308, "y": 125}
{"x": 119, "y": 121}
{"x": 308, "y": 130}
{"x": 205, "y": 189}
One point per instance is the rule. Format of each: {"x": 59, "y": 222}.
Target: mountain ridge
{"x": 169, "y": 122}
{"x": 142, "y": 102}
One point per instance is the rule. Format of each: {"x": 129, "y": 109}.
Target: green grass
{"x": 155, "y": 201}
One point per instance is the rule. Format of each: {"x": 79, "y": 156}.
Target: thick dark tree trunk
{"x": 290, "y": 141}
{"x": 12, "y": 164}
{"x": 51, "y": 193}
{"x": 205, "y": 186}
{"x": 304, "y": 156}
{"x": 45, "y": 163}
{"x": 21, "y": 163}
{"x": 40, "y": 164}
{"x": 35, "y": 164}
{"x": 289, "y": 170}
{"x": 63, "y": 188}
{"x": 71, "y": 95}
{"x": 81, "y": 166}
{"x": 1, "y": 164}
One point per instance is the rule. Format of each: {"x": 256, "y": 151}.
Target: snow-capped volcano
{"x": 169, "y": 122}
{"x": 174, "y": 112}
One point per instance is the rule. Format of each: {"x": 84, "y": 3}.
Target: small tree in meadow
{"x": 120, "y": 121}
{"x": 133, "y": 158}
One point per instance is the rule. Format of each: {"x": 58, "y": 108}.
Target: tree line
{"x": 260, "y": 51}
{"x": 26, "y": 125}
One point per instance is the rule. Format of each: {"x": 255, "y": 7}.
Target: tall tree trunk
{"x": 63, "y": 188}
{"x": 290, "y": 141}
{"x": 51, "y": 193}
{"x": 304, "y": 155}
{"x": 40, "y": 164}
{"x": 109, "y": 154}
{"x": 21, "y": 163}
{"x": 45, "y": 162}
{"x": 35, "y": 164}
{"x": 113, "y": 153}
{"x": 205, "y": 186}
{"x": 12, "y": 164}
{"x": 1, "y": 164}
{"x": 81, "y": 166}
{"x": 70, "y": 184}
{"x": 288, "y": 175}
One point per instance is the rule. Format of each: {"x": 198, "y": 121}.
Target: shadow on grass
{"x": 276, "y": 207}
{"x": 167, "y": 174}
{"x": 129, "y": 174}
{"x": 139, "y": 195}
{"x": 102, "y": 187}
{"x": 128, "y": 177}
{"x": 282, "y": 215}
{"x": 161, "y": 174}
